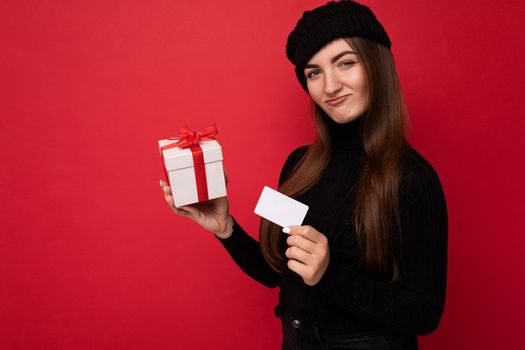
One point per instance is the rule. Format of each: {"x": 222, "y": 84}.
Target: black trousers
{"x": 300, "y": 334}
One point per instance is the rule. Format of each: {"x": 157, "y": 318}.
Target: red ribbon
{"x": 190, "y": 139}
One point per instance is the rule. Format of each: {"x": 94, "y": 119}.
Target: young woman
{"x": 367, "y": 270}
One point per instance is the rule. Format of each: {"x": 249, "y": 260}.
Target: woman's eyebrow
{"x": 335, "y": 58}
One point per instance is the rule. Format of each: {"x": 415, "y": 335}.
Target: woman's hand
{"x": 213, "y": 215}
{"x": 309, "y": 254}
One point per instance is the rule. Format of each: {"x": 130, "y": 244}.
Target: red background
{"x": 90, "y": 255}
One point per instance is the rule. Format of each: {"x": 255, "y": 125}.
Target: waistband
{"x": 298, "y": 325}
{"x": 302, "y": 324}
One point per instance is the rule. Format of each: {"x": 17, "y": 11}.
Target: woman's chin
{"x": 342, "y": 119}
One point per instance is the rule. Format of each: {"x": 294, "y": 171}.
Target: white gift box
{"x": 180, "y": 170}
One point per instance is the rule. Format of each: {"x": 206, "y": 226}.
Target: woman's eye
{"x": 346, "y": 63}
{"x": 312, "y": 74}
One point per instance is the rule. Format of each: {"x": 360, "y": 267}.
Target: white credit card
{"x": 279, "y": 208}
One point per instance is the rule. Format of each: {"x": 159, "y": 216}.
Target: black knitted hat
{"x": 318, "y": 27}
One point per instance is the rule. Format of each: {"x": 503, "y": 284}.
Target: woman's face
{"x": 336, "y": 81}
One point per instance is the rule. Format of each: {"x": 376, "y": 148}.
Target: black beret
{"x": 334, "y": 20}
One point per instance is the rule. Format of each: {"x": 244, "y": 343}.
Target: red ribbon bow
{"x": 190, "y": 139}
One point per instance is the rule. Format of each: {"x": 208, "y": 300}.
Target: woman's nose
{"x": 332, "y": 83}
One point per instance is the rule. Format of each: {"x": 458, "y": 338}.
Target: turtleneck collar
{"x": 345, "y": 136}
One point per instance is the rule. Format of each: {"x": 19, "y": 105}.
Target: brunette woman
{"x": 367, "y": 270}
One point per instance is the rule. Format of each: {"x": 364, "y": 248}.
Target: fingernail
{"x": 160, "y": 181}
{"x": 286, "y": 230}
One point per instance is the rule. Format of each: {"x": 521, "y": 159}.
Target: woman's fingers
{"x": 194, "y": 212}
{"x": 298, "y": 267}
{"x": 188, "y": 210}
{"x": 165, "y": 187}
{"x": 167, "y": 193}
{"x": 183, "y": 211}
{"x": 305, "y": 231}
{"x": 309, "y": 253}
{"x": 301, "y": 242}
{"x": 298, "y": 254}
{"x": 169, "y": 199}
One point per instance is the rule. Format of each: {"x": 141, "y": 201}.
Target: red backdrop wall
{"x": 90, "y": 255}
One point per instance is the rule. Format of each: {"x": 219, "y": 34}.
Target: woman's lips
{"x": 337, "y": 101}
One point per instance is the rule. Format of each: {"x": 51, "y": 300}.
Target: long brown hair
{"x": 376, "y": 214}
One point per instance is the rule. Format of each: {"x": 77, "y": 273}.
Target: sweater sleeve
{"x": 246, "y": 251}
{"x": 415, "y": 302}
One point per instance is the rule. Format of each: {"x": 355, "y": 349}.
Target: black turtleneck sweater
{"x": 347, "y": 298}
